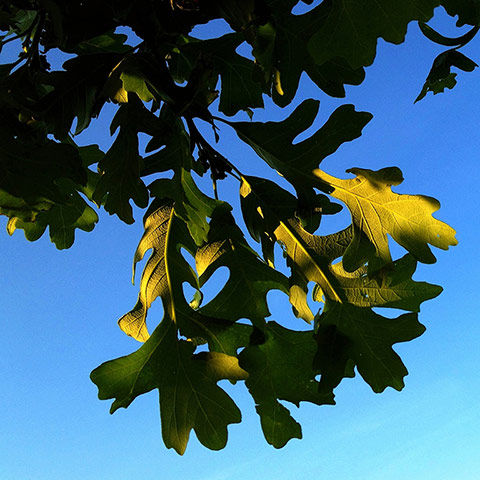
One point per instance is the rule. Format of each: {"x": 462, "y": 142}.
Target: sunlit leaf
{"x": 271, "y": 216}
{"x": 377, "y": 211}
{"x": 191, "y": 204}
{"x": 168, "y": 88}
{"x": 164, "y": 272}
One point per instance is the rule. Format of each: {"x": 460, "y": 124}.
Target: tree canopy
{"x": 166, "y": 85}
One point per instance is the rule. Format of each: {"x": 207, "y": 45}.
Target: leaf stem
{"x": 219, "y": 165}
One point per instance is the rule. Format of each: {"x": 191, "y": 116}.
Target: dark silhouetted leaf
{"x": 440, "y": 76}
{"x": 351, "y": 30}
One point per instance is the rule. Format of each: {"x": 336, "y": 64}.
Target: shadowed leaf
{"x": 350, "y": 30}
{"x": 281, "y": 368}
{"x": 361, "y": 335}
{"x": 273, "y": 141}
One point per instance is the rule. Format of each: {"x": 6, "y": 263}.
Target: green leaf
{"x": 47, "y": 185}
{"x": 244, "y": 294}
{"x": 440, "y": 76}
{"x": 18, "y": 20}
{"x": 121, "y": 166}
{"x": 468, "y": 11}
{"x": 164, "y": 272}
{"x": 281, "y": 50}
{"x": 438, "y": 86}
{"x": 239, "y": 89}
{"x": 281, "y": 368}
{"x": 310, "y": 258}
{"x": 29, "y": 171}
{"x": 391, "y": 287}
{"x": 376, "y": 211}
{"x": 189, "y": 396}
{"x": 18, "y": 209}
{"x": 130, "y": 75}
{"x": 273, "y": 141}
{"x": 351, "y": 30}
{"x": 270, "y": 215}
{"x": 440, "y": 39}
{"x": 306, "y": 258}
{"x": 238, "y": 13}
{"x": 346, "y": 332}
{"x": 176, "y": 154}
{"x": 109, "y": 42}
{"x": 191, "y": 204}
{"x": 62, "y": 221}
{"x": 62, "y": 218}
{"x": 77, "y": 93}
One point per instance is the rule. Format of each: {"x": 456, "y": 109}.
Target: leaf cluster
{"x": 163, "y": 88}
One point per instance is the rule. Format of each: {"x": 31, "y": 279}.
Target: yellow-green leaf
{"x": 164, "y": 271}
{"x": 377, "y": 211}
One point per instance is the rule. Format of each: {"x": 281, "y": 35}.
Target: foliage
{"x": 163, "y": 86}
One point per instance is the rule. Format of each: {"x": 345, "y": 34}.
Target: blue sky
{"x": 59, "y": 312}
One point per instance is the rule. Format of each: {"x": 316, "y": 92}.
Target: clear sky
{"x": 59, "y": 309}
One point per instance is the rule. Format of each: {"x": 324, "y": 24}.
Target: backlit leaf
{"x": 440, "y": 76}
{"x": 76, "y": 92}
{"x": 189, "y": 396}
{"x": 191, "y": 204}
{"x": 164, "y": 272}
{"x": 282, "y": 47}
{"x": 376, "y": 211}
{"x": 239, "y": 89}
{"x": 468, "y": 11}
{"x": 110, "y": 42}
{"x": 121, "y": 166}
{"x": 29, "y": 171}
{"x": 269, "y": 209}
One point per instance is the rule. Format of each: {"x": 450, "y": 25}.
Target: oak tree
{"x": 142, "y": 57}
